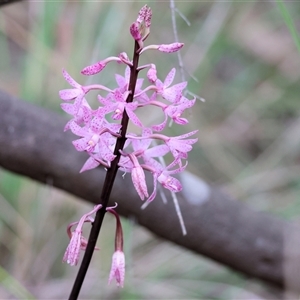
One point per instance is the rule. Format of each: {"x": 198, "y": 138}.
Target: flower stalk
{"x": 108, "y": 143}
{"x": 108, "y": 185}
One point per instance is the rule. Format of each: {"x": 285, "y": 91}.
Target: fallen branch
{"x": 32, "y": 143}
{"x": 4, "y": 2}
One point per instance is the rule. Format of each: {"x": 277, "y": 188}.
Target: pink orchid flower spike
{"x": 102, "y": 135}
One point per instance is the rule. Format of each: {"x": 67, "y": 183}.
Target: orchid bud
{"x": 167, "y": 48}
{"x": 151, "y": 74}
{"x": 140, "y": 29}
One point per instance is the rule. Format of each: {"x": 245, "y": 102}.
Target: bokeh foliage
{"x": 240, "y": 56}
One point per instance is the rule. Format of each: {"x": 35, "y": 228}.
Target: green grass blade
{"x": 13, "y": 286}
{"x": 289, "y": 23}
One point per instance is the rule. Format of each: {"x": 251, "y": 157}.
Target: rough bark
{"x": 32, "y": 143}
{"x": 4, "y": 2}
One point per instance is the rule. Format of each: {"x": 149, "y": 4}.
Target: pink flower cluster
{"x": 110, "y": 145}
{"x": 97, "y": 136}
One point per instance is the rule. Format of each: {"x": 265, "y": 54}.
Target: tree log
{"x": 33, "y": 144}
{"x": 4, "y": 2}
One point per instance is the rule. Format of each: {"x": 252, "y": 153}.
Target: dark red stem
{"x": 108, "y": 184}
{"x": 119, "y": 230}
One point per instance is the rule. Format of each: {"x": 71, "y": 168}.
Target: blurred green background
{"x": 242, "y": 57}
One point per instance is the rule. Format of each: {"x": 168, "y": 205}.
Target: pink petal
{"x": 158, "y": 151}
{"x": 87, "y": 114}
{"x": 120, "y": 81}
{"x": 176, "y": 171}
{"x": 159, "y": 85}
{"x": 139, "y": 84}
{"x": 91, "y": 163}
{"x": 106, "y": 152}
{"x": 174, "y": 92}
{"x": 188, "y": 104}
{"x": 127, "y": 74}
{"x": 118, "y": 96}
{"x": 114, "y": 127}
{"x": 80, "y": 144}
{"x": 76, "y": 129}
{"x": 153, "y": 195}
{"x": 170, "y": 77}
{"x": 170, "y": 183}
{"x": 133, "y": 117}
{"x": 154, "y": 164}
{"x": 117, "y": 268}
{"x": 180, "y": 121}
{"x": 97, "y": 124}
{"x": 161, "y": 126}
{"x": 139, "y": 181}
{"x": 71, "y": 255}
{"x": 70, "y": 80}
{"x": 69, "y": 108}
{"x": 67, "y": 126}
{"x": 102, "y": 111}
{"x": 69, "y": 94}
{"x": 179, "y": 137}
{"x": 179, "y": 145}
{"x": 191, "y": 141}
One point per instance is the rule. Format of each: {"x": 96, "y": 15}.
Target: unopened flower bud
{"x": 99, "y": 66}
{"x": 124, "y": 58}
{"x": 140, "y": 29}
{"x": 167, "y": 48}
{"x": 93, "y": 69}
{"x": 151, "y": 74}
